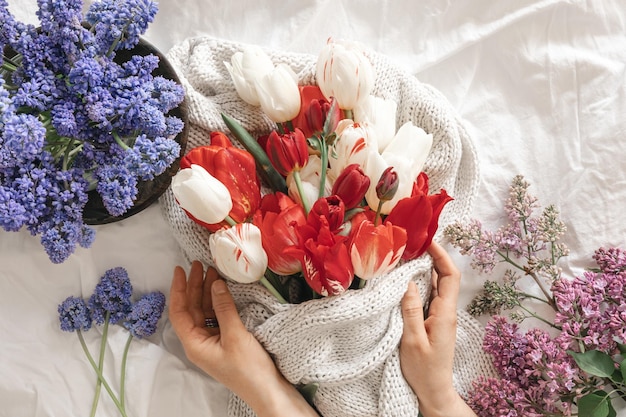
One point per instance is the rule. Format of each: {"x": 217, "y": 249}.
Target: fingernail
{"x": 219, "y": 287}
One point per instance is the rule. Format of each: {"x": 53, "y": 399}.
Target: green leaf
{"x": 594, "y": 362}
{"x": 266, "y": 171}
{"x": 622, "y": 368}
{"x": 594, "y": 405}
{"x": 612, "y": 412}
{"x": 622, "y": 347}
{"x": 308, "y": 391}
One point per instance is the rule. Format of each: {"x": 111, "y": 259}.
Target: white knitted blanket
{"x": 348, "y": 344}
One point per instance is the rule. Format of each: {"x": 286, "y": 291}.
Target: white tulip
{"x": 238, "y": 254}
{"x": 278, "y": 94}
{"x": 380, "y": 115}
{"x": 352, "y": 146}
{"x": 406, "y": 153}
{"x": 201, "y": 194}
{"x": 245, "y": 68}
{"x": 345, "y": 73}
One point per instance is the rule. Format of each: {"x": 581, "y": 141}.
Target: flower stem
{"x": 273, "y": 290}
{"x": 538, "y": 317}
{"x": 103, "y": 342}
{"x": 123, "y": 371}
{"x": 230, "y": 220}
{"x": 324, "y": 165}
{"x": 534, "y": 276}
{"x": 305, "y": 201}
{"x": 378, "y": 210}
{"x": 99, "y": 373}
{"x": 119, "y": 140}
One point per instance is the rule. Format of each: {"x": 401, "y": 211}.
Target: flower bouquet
{"x": 87, "y": 116}
{"x": 337, "y": 267}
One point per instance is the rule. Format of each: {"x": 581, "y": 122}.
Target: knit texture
{"x": 349, "y": 343}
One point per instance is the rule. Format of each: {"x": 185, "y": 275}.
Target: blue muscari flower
{"x": 139, "y": 66}
{"x": 64, "y": 119}
{"x": 117, "y": 186}
{"x": 99, "y": 108}
{"x": 22, "y": 140}
{"x": 166, "y": 94}
{"x": 68, "y": 74}
{"x": 56, "y": 242}
{"x": 150, "y": 158}
{"x": 145, "y": 314}
{"x": 6, "y": 103}
{"x": 49, "y": 202}
{"x": 38, "y": 92}
{"x": 112, "y": 294}
{"x": 7, "y": 26}
{"x": 173, "y": 126}
{"x": 125, "y": 21}
{"x": 13, "y": 214}
{"x": 56, "y": 14}
{"x": 86, "y": 74}
{"x": 74, "y": 315}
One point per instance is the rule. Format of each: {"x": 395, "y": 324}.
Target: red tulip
{"x": 314, "y": 109}
{"x": 419, "y": 216}
{"x": 288, "y": 152}
{"x": 376, "y": 250}
{"x": 233, "y": 167}
{"x": 332, "y": 209}
{"x": 277, "y": 218}
{"x": 351, "y": 185}
{"x": 325, "y": 259}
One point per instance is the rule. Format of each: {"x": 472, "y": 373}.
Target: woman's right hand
{"x": 427, "y": 345}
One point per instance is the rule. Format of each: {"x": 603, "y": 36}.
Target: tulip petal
{"x": 201, "y": 195}
{"x": 238, "y": 253}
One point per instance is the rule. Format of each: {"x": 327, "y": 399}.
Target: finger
{"x": 231, "y": 326}
{"x": 449, "y": 277}
{"x": 194, "y": 293}
{"x": 179, "y": 315}
{"x": 207, "y": 301}
{"x": 434, "y": 280}
{"x": 413, "y": 313}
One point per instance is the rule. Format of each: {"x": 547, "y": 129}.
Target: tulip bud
{"x": 387, "y": 185}
{"x": 238, "y": 253}
{"x": 351, "y": 186}
{"x": 406, "y": 153}
{"x": 201, "y": 195}
{"x": 288, "y": 152}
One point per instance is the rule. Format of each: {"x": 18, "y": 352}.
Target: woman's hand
{"x": 427, "y": 346}
{"x": 229, "y": 353}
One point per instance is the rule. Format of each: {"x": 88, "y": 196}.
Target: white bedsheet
{"x": 541, "y": 86}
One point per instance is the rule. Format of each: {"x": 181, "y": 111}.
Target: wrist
{"x": 281, "y": 400}
{"x": 445, "y": 404}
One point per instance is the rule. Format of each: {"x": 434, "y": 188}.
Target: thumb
{"x": 413, "y": 313}
{"x": 225, "y": 310}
